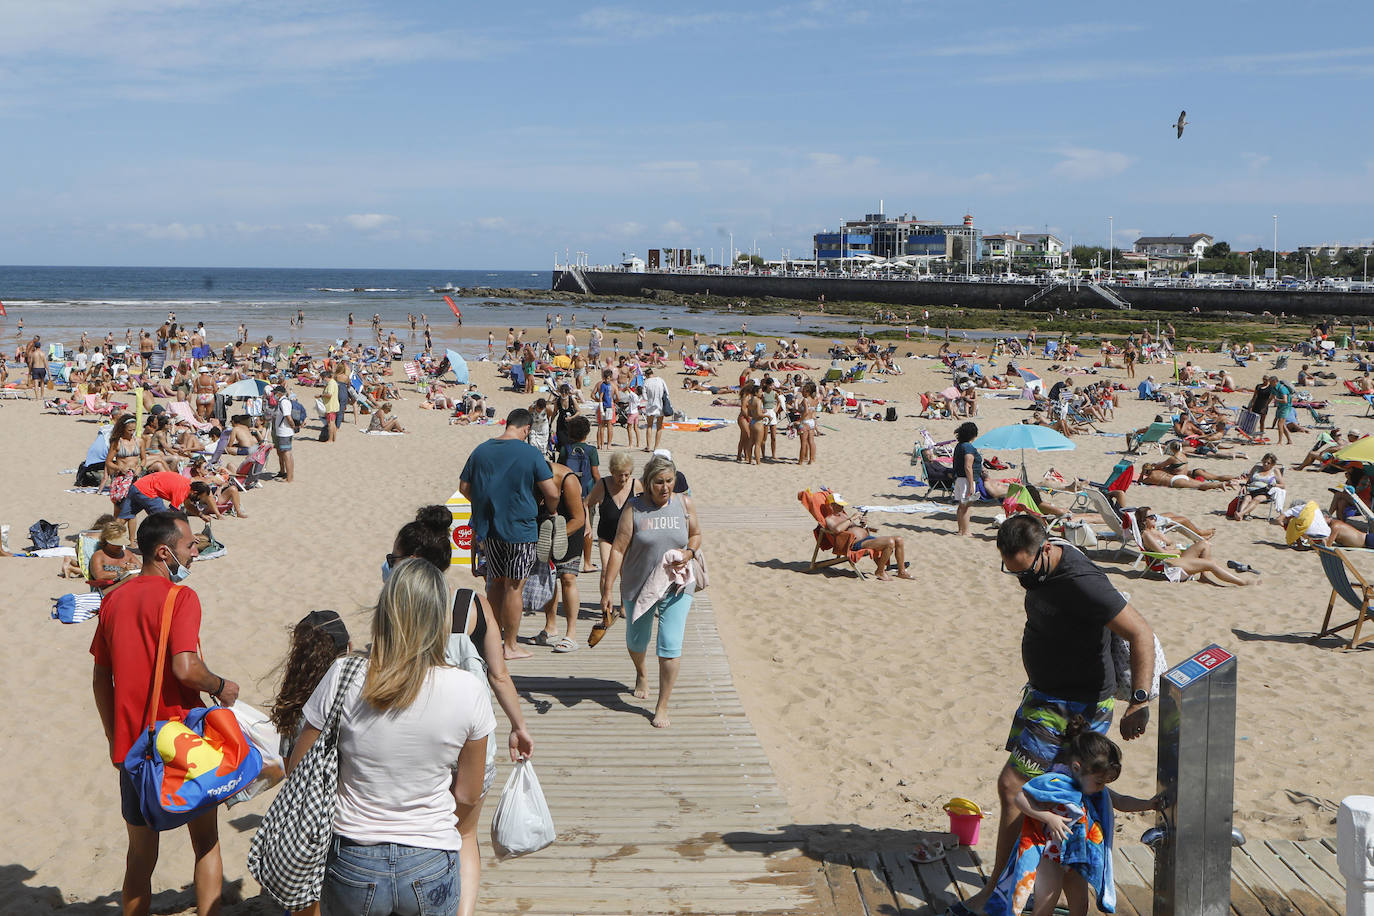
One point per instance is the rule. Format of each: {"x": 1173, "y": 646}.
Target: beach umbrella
{"x": 247, "y": 388}
{"x": 1359, "y": 450}
{"x": 1024, "y": 436}
{"x": 459, "y": 367}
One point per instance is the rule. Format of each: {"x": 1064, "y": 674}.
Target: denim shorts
{"x": 389, "y": 878}
{"x": 137, "y": 501}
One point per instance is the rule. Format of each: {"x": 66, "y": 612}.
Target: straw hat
{"x": 115, "y": 535}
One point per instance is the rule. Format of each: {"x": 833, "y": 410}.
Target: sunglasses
{"x": 1035, "y": 561}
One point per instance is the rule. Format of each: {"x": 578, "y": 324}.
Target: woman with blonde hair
{"x": 412, "y": 748}
{"x": 655, "y": 540}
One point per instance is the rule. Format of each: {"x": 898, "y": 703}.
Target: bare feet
{"x": 641, "y": 691}
{"x": 905, "y": 575}
{"x": 661, "y": 720}
{"x": 513, "y": 654}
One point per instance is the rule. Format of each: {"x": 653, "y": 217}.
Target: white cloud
{"x": 646, "y": 22}
{"x": 368, "y": 222}
{"x": 1089, "y": 164}
{"x": 673, "y": 228}
{"x": 176, "y": 232}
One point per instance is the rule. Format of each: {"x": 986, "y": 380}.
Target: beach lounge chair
{"x": 940, "y": 477}
{"x": 181, "y": 412}
{"x": 1095, "y": 500}
{"x": 246, "y": 475}
{"x": 1154, "y": 562}
{"x": 1281, "y": 362}
{"x": 818, "y": 504}
{"x": 1346, "y": 582}
{"x": 1154, "y": 435}
{"x": 833, "y": 375}
{"x": 1366, "y": 513}
{"x": 1321, "y": 420}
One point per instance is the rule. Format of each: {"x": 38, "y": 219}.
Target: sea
{"x": 61, "y": 302}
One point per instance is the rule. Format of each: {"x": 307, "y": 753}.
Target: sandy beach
{"x": 876, "y": 701}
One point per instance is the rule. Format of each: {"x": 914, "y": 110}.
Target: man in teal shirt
{"x": 505, "y": 479}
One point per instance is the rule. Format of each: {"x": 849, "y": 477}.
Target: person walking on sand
{"x": 655, "y": 406}
{"x": 1072, "y": 609}
{"x": 124, "y": 648}
{"x": 501, "y": 478}
{"x": 656, "y": 539}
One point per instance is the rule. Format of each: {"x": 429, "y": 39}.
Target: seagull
{"x": 1181, "y": 123}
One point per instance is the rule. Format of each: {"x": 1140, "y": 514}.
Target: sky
{"x": 347, "y": 133}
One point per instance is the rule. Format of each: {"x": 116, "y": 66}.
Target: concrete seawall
{"x": 1010, "y": 296}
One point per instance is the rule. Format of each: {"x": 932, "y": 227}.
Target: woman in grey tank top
{"x": 652, "y": 524}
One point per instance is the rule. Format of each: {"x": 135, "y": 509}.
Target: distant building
{"x": 1173, "y": 246}
{"x": 1025, "y": 246}
{"x": 1330, "y": 250}
{"x": 878, "y": 238}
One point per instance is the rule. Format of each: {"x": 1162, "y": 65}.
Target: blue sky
{"x": 463, "y": 135}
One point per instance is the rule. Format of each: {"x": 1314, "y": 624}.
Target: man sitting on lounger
{"x": 837, "y": 520}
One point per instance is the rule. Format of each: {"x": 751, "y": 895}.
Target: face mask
{"x": 386, "y": 570}
{"x": 178, "y": 574}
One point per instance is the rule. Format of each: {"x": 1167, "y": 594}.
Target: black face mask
{"x": 1031, "y": 577}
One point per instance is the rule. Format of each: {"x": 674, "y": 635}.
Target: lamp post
{"x": 1276, "y": 246}
{"x": 1366, "y": 265}
{"x": 1111, "y": 247}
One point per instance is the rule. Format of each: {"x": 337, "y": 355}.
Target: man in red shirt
{"x": 125, "y": 649}
{"x": 161, "y": 491}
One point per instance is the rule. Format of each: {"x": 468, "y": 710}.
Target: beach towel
{"x": 1087, "y": 849}
{"x": 909, "y": 481}
{"x": 922, "y": 508}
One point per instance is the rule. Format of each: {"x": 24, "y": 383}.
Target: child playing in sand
{"x": 1066, "y": 833}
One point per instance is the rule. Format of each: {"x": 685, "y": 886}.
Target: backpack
{"x": 462, "y": 652}
{"x": 297, "y": 415}
{"x": 44, "y": 535}
{"x": 580, "y": 463}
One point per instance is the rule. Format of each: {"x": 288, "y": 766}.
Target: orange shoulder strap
{"x": 164, "y": 632}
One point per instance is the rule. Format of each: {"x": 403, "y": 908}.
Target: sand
{"x": 876, "y": 701}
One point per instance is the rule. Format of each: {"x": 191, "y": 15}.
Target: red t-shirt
{"x": 165, "y": 485}
{"x": 126, "y": 642}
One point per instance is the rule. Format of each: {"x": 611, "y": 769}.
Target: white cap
{"x": 663, "y": 453}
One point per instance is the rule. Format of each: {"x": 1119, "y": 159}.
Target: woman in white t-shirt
{"x": 412, "y": 749}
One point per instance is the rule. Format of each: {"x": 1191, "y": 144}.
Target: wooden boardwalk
{"x": 1268, "y": 878}
{"x": 678, "y": 820}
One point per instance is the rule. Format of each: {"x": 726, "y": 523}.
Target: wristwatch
{"x": 1139, "y": 696}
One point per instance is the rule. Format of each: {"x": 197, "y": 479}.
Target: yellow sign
{"x": 460, "y": 531}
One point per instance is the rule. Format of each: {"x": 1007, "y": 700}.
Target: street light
{"x": 1276, "y": 246}
{"x": 1111, "y": 246}
{"x": 1366, "y": 265}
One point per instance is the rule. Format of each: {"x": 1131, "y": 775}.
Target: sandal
{"x": 599, "y": 630}
{"x": 544, "y": 638}
{"x": 565, "y": 644}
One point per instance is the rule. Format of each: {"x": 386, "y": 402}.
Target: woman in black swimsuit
{"x": 609, "y": 495}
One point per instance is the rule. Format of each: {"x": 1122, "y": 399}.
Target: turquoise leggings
{"x": 671, "y": 611}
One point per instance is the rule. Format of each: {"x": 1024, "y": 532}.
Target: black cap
{"x": 331, "y": 623}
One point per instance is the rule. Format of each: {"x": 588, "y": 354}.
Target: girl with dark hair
{"x": 316, "y": 640}
{"x": 1066, "y": 832}
{"x": 969, "y": 483}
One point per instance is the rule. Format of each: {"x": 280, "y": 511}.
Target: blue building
{"x": 878, "y": 238}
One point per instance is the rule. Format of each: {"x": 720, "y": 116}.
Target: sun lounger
{"x": 248, "y": 471}
{"x": 1352, "y": 587}
{"x": 181, "y": 413}
{"x": 1154, "y": 435}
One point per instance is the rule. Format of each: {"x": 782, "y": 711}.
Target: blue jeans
{"x": 389, "y": 879}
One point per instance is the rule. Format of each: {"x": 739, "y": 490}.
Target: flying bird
{"x": 1181, "y": 123}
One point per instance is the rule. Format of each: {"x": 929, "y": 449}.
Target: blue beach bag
{"x": 182, "y": 767}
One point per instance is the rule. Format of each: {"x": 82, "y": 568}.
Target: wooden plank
{"x": 902, "y": 881}
{"x": 1299, "y": 894}
{"x": 844, "y": 892}
{"x": 966, "y": 870}
{"x": 1323, "y": 855}
{"x": 1269, "y": 894}
{"x": 1135, "y": 868}
{"x": 1320, "y": 883}
{"x": 872, "y": 884}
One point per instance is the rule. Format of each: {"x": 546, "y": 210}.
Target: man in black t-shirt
{"x": 1066, "y": 652}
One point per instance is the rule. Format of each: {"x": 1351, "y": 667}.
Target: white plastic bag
{"x": 522, "y": 823}
{"x": 262, "y": 734}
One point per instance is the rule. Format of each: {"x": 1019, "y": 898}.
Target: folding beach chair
{"x": 1321, "y": 420}
{"x": 182, "y": 413}
{"x": 940, "y": 477}
{"x": 412, "y": 370}
{"x": 1346, "y": 582}
{"x": 1095, "y": 500}
{"x": 820, "y": 506}
{"x": 833, "y": 375}
{"x": 1154, "y": 562}
{"x": 1154, "y": 435}
{"x": 1281, "y": 362}
{"x": 247, "y": 474}
{"x": 1366, "y": 513}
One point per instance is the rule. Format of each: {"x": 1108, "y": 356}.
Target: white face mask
{"x": 386, "y": 570}
{"x": 178, "y": 574}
